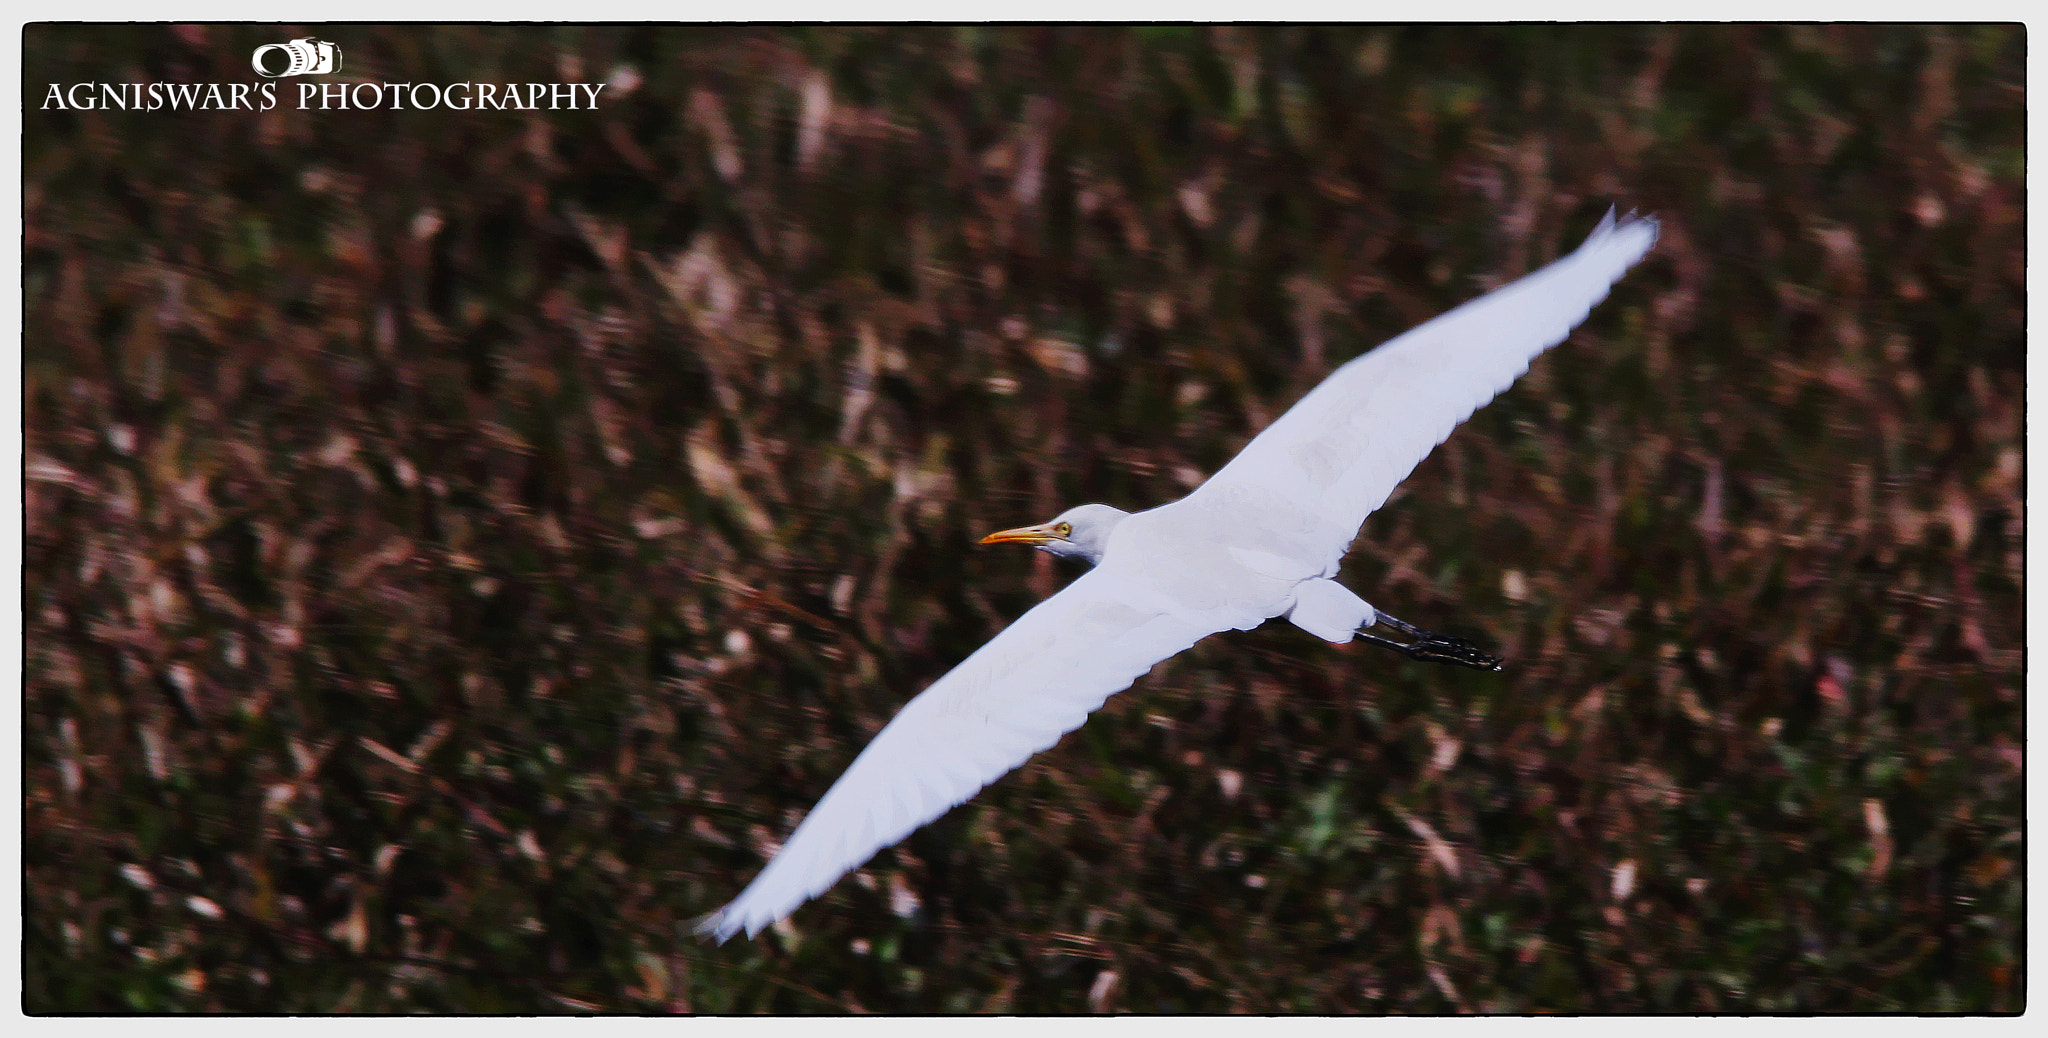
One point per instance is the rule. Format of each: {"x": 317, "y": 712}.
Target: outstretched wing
{"x": 1031, "y": 684}
{"x": 1335, "y": 456}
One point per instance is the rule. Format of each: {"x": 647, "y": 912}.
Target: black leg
{"x": 1432, "y": 647}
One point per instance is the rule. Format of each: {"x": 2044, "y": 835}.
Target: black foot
{"x": 1432, "y": 647}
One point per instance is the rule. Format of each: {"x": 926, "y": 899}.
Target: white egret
{"x": 1261, "y": 538}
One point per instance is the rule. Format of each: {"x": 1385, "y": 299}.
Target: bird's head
{"x": 1080, "y": 532}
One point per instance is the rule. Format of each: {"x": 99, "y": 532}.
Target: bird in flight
{"x": 1261, "y": 538}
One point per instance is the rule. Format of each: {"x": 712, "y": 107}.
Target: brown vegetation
{"x": 460, "y": 543}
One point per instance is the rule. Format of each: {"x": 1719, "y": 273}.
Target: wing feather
{"x": 1015, "y": 696}
{"x": 1335, "y": 456}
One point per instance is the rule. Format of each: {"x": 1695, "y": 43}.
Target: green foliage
{"x": 460, "y": 544}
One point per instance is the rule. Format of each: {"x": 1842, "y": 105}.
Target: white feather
{"x": 1338, "y": 452}
{"x": 1018, "y": 694}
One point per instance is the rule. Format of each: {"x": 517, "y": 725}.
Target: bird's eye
{"x": 1063, "y": 529}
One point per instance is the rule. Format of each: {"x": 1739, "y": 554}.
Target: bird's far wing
{"x": 1015, "y": 696}
{"x": 1335, "y": 456}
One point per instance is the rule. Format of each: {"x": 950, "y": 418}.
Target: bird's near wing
{"x": 1031, "y": 684}
{"x": 1335, "y": 456}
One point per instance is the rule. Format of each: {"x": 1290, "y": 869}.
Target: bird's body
{"x": 1262, "y": 538}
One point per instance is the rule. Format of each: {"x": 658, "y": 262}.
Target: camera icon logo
{"x": 306, "y": 57}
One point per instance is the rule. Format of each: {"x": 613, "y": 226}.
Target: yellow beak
{"x": 1040, "y": 534}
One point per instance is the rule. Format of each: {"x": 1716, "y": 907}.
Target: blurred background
{"x": 461, "y": 544}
